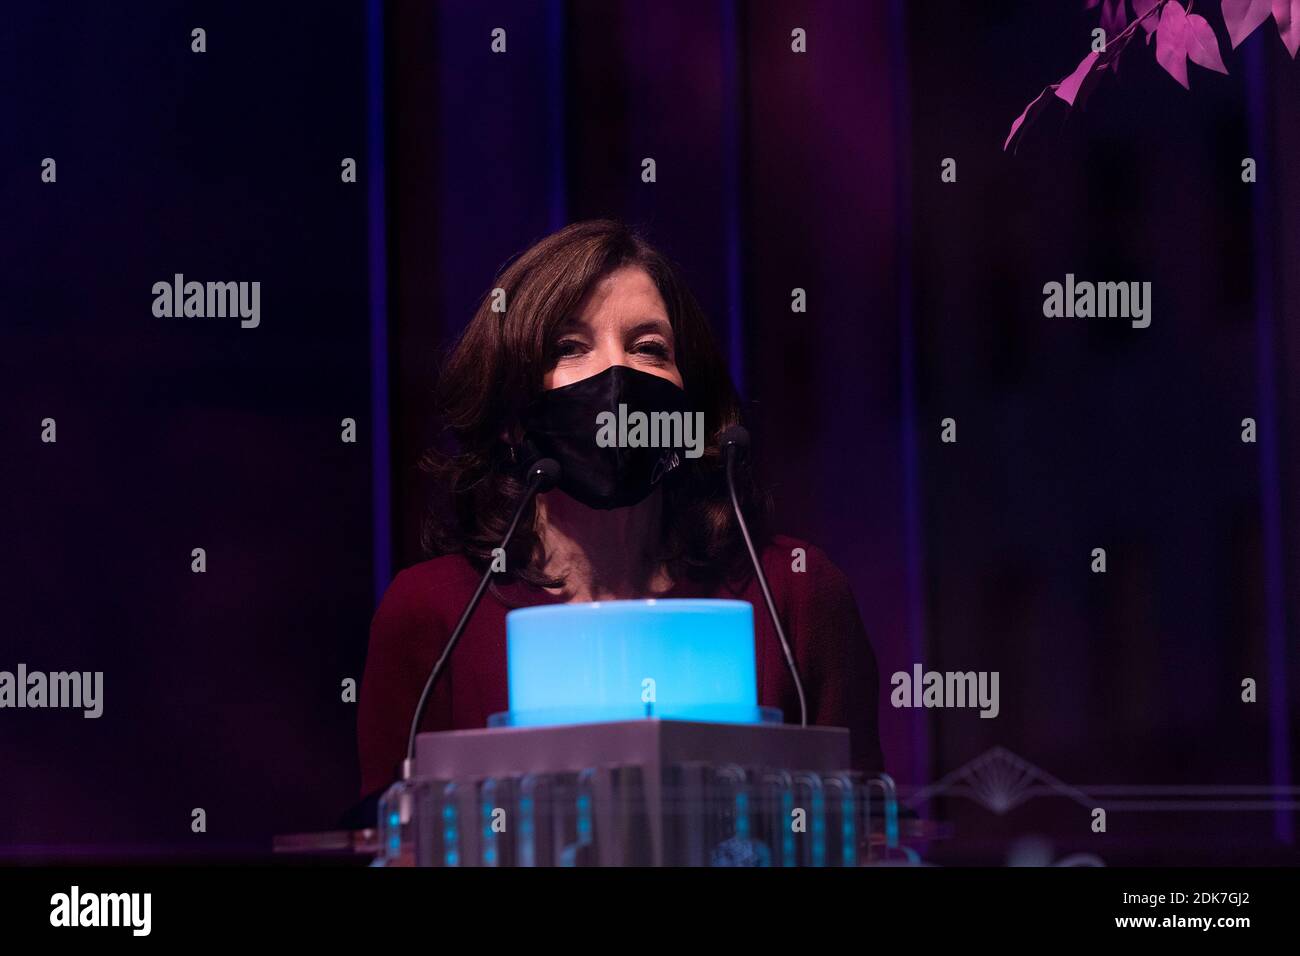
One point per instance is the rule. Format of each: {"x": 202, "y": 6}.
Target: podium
{"x": 646, "y": 792}
{"x": 634, "y": 738}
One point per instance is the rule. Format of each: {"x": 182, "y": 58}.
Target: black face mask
{"x": 562, "y": 423}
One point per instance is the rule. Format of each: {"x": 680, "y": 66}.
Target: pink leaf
{"x": 1068, "y": 89}
{"x": 1140, "y": 9}
{"x": 1036, "y": 106}
{"x": 1243, "y": 16}
{"x": 1287, "y": 15}
{"x": 1202, "y": 44}
{"x": 1171, "y": 42}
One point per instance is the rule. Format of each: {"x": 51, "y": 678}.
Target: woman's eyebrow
{"x": 662, "y": 326}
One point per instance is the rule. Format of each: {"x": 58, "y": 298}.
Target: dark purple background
{"x": 775, "y": 170}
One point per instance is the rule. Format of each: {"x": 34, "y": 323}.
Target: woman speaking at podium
{"x": 594, "y": 320}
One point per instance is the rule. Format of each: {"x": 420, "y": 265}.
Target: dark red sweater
{"x": 424, "y": 602}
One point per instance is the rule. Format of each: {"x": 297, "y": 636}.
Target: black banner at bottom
{"x": 206, "y": 904}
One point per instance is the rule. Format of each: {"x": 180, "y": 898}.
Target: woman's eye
{"x": 566, "y": 348}
{"x": 652, "y": 347}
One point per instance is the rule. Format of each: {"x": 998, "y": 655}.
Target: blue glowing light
{"x": 742, "y": 815}
{"x": 679, "y": 659}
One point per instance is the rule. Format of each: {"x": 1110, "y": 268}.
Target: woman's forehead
{"x": 627, "y": 294}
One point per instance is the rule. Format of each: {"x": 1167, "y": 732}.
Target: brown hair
{"x": 496, "y": 368}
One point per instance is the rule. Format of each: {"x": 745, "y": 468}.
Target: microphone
{"x": 735, "y": 443}
{"x": 543, "y": 475}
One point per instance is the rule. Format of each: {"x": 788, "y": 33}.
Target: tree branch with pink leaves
{"x": 1181, "y": 37}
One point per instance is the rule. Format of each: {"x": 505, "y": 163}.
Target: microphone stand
{"x": 734, "y": 441}
{"x": 541, "y": 476}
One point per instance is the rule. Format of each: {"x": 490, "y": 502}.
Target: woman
{"x": 590, "y": 318}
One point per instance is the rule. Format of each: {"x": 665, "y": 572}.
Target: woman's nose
{"x": 611, "y": 353}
